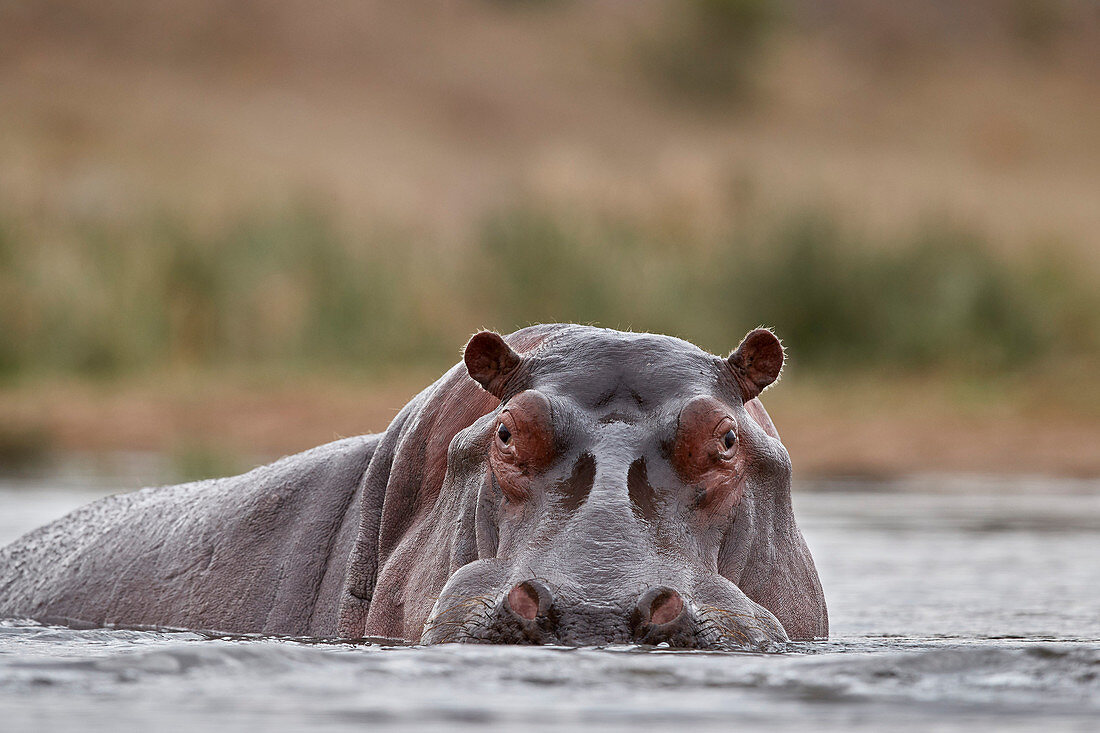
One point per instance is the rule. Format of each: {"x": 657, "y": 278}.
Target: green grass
{"x": 194, "y": 460}
{"x": 711, "y": 50}
{"x": 295, "y": 293}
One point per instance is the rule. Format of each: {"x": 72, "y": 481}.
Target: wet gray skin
{"x": 566, "y": 485}
{"x": 605, "y": 534}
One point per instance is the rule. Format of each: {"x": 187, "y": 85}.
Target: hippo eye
{"x": 504, "y": 434}
{"x": 728, "y": 439}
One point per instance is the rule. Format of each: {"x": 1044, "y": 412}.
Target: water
{"x": 956, "y": 603}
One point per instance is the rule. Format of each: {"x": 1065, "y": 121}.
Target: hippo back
{"x": 261, "y": 552}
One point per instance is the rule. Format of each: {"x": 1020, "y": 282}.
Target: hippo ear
{"x": 490, "y": 361}
{"x": 756, "y": 363}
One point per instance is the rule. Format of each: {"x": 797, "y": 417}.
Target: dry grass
{"x": 429, "y": 116}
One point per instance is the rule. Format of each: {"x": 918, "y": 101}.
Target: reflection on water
{"x": 955, "y": 603}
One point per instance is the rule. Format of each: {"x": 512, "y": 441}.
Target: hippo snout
{"x": 529, "y": 612}
{"x": 658, "y": 616}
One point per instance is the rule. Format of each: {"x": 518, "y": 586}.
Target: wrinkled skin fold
{"x": 563, "y": 485}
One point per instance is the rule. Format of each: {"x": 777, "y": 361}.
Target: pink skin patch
{"x": 524, "y": 601}
{"x": 666, "y": 607}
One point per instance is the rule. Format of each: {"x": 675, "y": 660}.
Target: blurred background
{"x": 234, "y": 230}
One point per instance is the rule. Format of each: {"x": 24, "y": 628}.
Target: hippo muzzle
{"x": 530, "y": 613}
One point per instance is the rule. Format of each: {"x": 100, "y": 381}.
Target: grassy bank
{"x": 295, "y": 294}
{"x": 271, "y": 334}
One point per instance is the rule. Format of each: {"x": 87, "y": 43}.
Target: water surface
{"x": 956, "y": 603}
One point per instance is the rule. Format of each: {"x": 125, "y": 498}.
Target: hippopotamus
{"x": 565, "y": 485}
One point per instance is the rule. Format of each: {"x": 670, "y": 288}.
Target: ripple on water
{"x": 949, "y": 612}
{"x": 192, "y": 680}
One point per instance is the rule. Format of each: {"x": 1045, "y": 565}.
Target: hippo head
{"x": 629, "y": 488}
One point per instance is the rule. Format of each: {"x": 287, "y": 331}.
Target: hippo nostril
{"x": 659, "y": 606}
{"x": 524, "y": 601}
{"x": 666, "y": 607}
{"x": 528, "y": 600}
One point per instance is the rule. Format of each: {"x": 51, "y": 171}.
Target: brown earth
{"x": 874, "y": 430}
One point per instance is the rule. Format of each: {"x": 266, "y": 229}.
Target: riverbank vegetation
{"x": 226, "y": 234}
{"x": 293, "y": 292}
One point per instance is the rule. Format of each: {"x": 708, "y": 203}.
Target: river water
{"x": 957, "y": 603}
